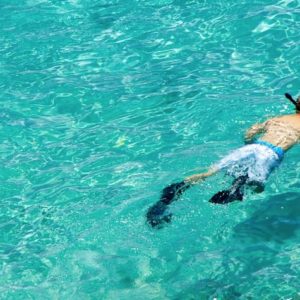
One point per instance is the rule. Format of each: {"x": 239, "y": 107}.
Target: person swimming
{"x": 249, "y": 165}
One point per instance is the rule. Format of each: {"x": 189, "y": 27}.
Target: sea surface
{"x": 103, "y": 104}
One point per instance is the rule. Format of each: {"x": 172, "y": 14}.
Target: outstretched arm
{"x": 253, "y": 130}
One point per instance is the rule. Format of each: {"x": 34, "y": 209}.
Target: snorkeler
{"x": 249, "y": 165}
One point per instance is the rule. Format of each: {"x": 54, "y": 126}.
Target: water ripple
{"x": 105, "y": 103}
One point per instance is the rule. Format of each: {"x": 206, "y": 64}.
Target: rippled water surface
{"x": 103, "y": 103}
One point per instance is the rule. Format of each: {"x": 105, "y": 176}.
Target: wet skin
{"x": 281, "y": 131}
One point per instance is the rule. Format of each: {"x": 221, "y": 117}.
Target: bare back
{"x": 282, "y": 131}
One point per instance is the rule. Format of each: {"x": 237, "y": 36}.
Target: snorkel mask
{"x": 296, "y": 103}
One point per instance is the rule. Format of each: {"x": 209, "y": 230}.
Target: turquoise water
{"x": 103, "y": 103}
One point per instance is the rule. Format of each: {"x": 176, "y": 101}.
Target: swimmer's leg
{"x": 197, "y": 178}
{"x": 174, "y": 190}
{"x": 158, "y": 213}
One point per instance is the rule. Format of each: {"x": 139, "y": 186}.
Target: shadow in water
{"x": 277, "y": 220}
{"x": 256, "y": 258}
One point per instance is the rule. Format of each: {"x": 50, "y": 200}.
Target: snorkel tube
{"x": 289, "y": 97}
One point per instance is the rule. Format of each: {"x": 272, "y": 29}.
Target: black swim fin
{"x": 234, "y": 194}
{"x": 173, "y": 191}
{"x": 157, "y": 214}
{"x": 224, "y": 197}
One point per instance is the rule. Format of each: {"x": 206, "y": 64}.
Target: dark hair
{"x": 296, "y": 103}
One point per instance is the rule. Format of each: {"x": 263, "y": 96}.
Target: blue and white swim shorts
{"x": 255, "y": 160}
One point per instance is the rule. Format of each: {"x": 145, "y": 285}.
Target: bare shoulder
{"x": 295, "y": 121}
{"x": 272, "y": 120}
{"x": 292, "y": 120}
{"x": 284, "y": 118}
